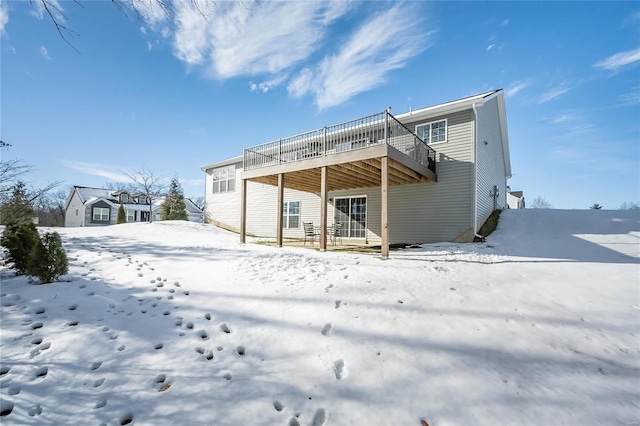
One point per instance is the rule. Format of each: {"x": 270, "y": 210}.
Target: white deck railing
{"x": 355, "y": 134}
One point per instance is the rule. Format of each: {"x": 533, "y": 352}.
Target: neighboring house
{"x": 194, "y": 213}
{"x": 515, "y": 199}
{"x": 98, "y": 207}
{"x": 427, "y": 175}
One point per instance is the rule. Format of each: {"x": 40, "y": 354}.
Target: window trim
{"x": 347, "y": 229}
{"x": 133, "y": 214}
{"x": 430, "y": 123}
{"x": 99, "y": 217}
{"x": 286, "y": 215}
{"x": 223, "y": 175}
{"x": 124, "y": 197}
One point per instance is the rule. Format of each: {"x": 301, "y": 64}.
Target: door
{"x": 351, "y": 212}
{"x": 144, "y": 216}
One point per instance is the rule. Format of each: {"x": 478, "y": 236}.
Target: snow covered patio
{"x": 178, "y": 323}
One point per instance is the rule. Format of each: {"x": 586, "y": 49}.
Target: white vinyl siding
{"x": 262, "y": 202}
{"x": 75, "y": 204}
{"x": 489, "y": 161}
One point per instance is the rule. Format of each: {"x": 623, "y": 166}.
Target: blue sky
{"x": 177, "y": 92}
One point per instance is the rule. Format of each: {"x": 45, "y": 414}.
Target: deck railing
{"x": 361, "y": 133}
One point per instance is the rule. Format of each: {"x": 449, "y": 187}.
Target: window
{"x": 101, "y": 214}
{"x": 142, "y": 200}
{"x": 76, "y": 212}
{"x": 224, "y": 179}
{"x": 291, "y": 215}
{"x": 124, "y": 198}
{"x": 351, "y": 212}
{"x": 131, "y": 215}
{"x": 434, "y": 132}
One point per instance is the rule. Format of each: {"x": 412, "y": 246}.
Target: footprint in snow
{"x": 126, "y": 419}
{"x": 319, "y": 417}
{"x": 72, "y": 307}
{"x": 294, "y": 422}
{"x": 35, "y": 410}
{"x": 278, "y": 405}
{"x": 100, "y": 403}
{"x": 338, "y": 303}
{"x": 241, "y": 351}
{"x": 41, "y": 372}
{"x": 6, "y": 407}
{"x": 327, "y": 329}
{"x": 225, "y": 328}
{"x": 340, "y": 370}
{"x": 95, "y": 365}
{"x": 37, "y": 325}
{"x": 39, "y": 311}
{"x": 14, "y": 389}
{"x": 98, "y": 383}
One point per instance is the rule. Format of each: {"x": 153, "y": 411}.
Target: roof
{"x": 86, "y": 193}
{"x": 449, "y": 107}
{"x": 223, "y": 163}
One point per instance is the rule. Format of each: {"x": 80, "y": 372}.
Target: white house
{"x": 98, "y": 207}
{"x": 427, "y": 175}
{"x": 515, "y": 199}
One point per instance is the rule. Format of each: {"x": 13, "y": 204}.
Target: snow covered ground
{"x": 178, "y": 324}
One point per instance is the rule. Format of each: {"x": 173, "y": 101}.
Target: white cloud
{"x": 265, "y": 86}
{"x": 384, "y": 43}
{"x": 553, "y": 94}
{"x": 517, "y": 86}
{"x": 149, "y": 45}
{"x": 268, "y": 38}
{"x": 45, "y": 53}
{"x": 620, "y": 59}
{"x": 4, "y": 16}
{"x": 94, "y": 169}
{"x": 143, "y": 30}
{"x": 491, "y": 46}
{"x": 505, "y": 22}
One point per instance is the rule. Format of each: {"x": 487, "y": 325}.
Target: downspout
{"x": 475, "y": 170}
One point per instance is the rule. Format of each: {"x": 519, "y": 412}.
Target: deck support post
{"x": 324, "y": 178}
{"x": 280, "y": 208}
{"x": 243, "y": 211}
{"x": 384, "y": 222}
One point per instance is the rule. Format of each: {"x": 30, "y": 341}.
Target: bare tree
{"x": 140, "y": 8}
{"x": 149, "y": 184}
{"x": 630, "y": 205}
{"x": 49, "y": 208}
{"x": 540, "y": 203}
{"x": 12, "y": 171}
{"x": 199, "y": 202}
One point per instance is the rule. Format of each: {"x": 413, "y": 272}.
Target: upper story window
{"x": 124, "y": 197}
{"x": 434, "y": 132}
{"x": 142, "y": 199}
{"x": 224, "y": 179}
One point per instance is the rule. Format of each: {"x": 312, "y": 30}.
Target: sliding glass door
{"x": 351, "y": 212}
